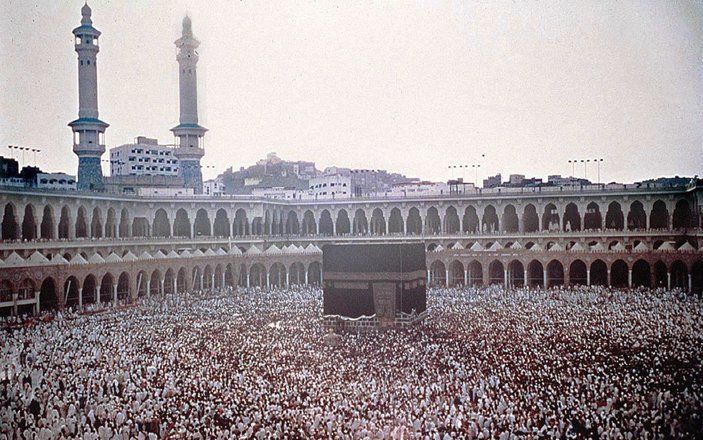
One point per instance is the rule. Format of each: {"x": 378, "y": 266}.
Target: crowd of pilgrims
{"x": 487, "y": 363}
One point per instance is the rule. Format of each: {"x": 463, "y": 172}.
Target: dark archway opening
{"x": 326, "y": 224}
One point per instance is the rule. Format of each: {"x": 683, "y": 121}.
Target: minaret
{"x": 88, "y": 130}
{"x": 189, "y": 134}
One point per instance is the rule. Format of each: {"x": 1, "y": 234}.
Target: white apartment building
{"x": 213, "y": 187}
{"x": 330, "y": 186}
{"x": 418, "y": 189}
{"x": 145, "y": 157}
{"x": 163, "y": 192}
{"x": 278, "y": 193}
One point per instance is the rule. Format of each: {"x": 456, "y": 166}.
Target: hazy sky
{"x": 404, "y": 86}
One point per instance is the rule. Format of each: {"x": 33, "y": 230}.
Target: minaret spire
{"x": 189, "y": 134}
{"x": 88, "y": 130}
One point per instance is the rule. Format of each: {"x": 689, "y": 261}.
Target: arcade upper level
{"x": 41, "y": 220}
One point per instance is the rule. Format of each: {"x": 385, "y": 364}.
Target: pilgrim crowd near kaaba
{"x": 486, "y": 363}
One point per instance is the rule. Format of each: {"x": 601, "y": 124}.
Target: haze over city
{"x": 408, "y": 87}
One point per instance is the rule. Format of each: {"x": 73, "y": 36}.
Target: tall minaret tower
{"x": 189, "y": 134}
{"x": 88, "y": 130}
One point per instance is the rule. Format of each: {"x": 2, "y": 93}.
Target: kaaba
{"x": 374, "y": 284}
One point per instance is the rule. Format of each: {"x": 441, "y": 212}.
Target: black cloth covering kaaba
{"x": 352, "y": 272}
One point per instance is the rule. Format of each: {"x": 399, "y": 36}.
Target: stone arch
{"x": 70, "y": 291}
{"x": 81, "y": 223}
{"x": 599, "y": 273}
{"x": 201, "y": 226}
{"x": 360, "y": 224}
{"x": 578, "y": 273}
{"x": 516, "y": 274}
{"x": 314, "y": 273}
{"x": 277, "y": 275}
{"x": 659, "y": 216}
{"x": 636, "y": 218}
{"x": 679, "y": 275}
{"x": 241, "y": 223}
{"x": 48, "y": 296}
{"x": 219, "y": 280}
{"x": 614, "y": 218}
{"x": 470, "y": 220}
{"x": 47, "y": 223}
{"x": 244, "y": 278}
{"x": 181, "y": 280}
{"x": 292, "y": 223}
{"x": 510, "y": 220}
{"x": 378, "y": 222}
{"x": 96, "y": 223}
{"x": 169, "y": 278}
{"x": 162, "y": 225}
{"x": 413, "y": 222}
{"x": 106, "y": 289}
{"x": 535, "y": 274}
{"x": 550, "y": 218}
{"x": 257, "y": 226}
{"x": 555, "y": 273}
{"x": 155, "y": 282}
{"x": 181, "y": 224}
{"x": 309, "y": 226}
{"x": 220, "y": 227}
{"x": 456, "y": 272}
{"x": 660, "y": 278}
{"x": 592, "y": 220}
{"x": 438, "y": 273}
{"x": 572, "y": 218}
{"x": 140, "y": 227}
{"x": 619, "y": 274}
{"x": 343, "y": 225}
{"x": 124, "y": 223}
{"x": 123, "y": 287}
{"x": 641, "y": 274}
{"x": 230, "y": 279}
{"x": 452, "y": 224}
{"x": 326, "y": 224}
{"x": 257, "y": 275}
{"x": 530, "y": 219}
{"x": 29, "y": 223}
{"x": 297, "y": 273}
{"x": 683, "y": 217}
{"x": 207, "y": 277}
{"x": 395, "y": 222}
{"x": 490, "y": 220}
{"x": 64, "y": 223}
{"x": 110, "y": 223}
{"x": 90, "y": 289}
{"x": 433, "y": 224}
{"x": 143, "y": 279}
{"x": 475, "y": 273}
{"x": 496, "y": 273}
{"x": 10, "y": 229}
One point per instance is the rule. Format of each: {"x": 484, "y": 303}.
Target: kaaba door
{"x": 384, "y": 303}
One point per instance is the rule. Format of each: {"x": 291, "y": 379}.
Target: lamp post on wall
{"x": 23, "y": 150}
{"x": 598, "y": 161}
{"x": 476, "y": 166}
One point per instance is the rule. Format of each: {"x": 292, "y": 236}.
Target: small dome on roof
{"x": 187, "y": 27}
{"x": 86, "y": 12}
